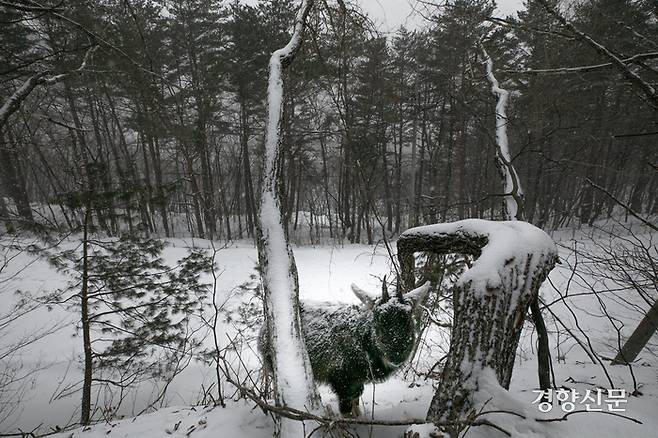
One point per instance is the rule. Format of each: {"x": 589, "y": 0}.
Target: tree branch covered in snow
{"x": 514, "y": 207}
{"x": 292, "y": 374}
{"x": 585, "y": 68}
{"x": 14, "y": 101}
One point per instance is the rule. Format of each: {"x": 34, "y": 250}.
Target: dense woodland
{"x": 127, "y": 122}
{"x": 152, "y": 113}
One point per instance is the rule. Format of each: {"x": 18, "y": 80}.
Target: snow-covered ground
{"x": 325, "y": 273}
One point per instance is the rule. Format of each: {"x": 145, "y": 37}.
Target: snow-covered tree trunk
{"x": 513, "y": 201}
{"x": 292, "y": 374}
{"x": 514, "y": 209}
{"x": 490, "y": 300}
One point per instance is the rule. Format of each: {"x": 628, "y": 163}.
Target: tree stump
{"x": 491, "y": 299}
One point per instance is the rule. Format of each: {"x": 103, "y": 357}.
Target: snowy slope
{"x": 326, "y": 274}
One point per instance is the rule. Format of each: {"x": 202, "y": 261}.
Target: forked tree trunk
{"x": 490, "y": 301}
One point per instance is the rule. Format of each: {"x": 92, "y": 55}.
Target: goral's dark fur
{"x": 350, "y": 345}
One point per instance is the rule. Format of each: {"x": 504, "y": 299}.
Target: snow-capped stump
{"x": 491, "y": 299}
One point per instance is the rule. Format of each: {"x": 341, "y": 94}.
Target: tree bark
{"x": 514, "y": 209}
{"x": 85, "y": 415}
{"x": 640, "y": 337}
{"x": 489, "y": 305}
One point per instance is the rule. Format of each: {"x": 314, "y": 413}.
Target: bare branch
{"x": 28, "y": 8}
{"x": 648, "y": 90}
{"x": 626, "y": 207}
{"x": 565, "y": 416}
{"x": 584, "y": 68}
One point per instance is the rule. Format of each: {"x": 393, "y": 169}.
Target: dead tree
{"x": 292, "y": 375}
{"x": 490, "y": 301}
{"x": 514, "y": 210}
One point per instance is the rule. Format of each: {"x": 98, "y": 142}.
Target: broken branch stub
{"x": 491, "y": 299}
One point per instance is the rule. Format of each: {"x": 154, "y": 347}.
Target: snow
{"x": 184, "y": 421}
{"x": 325, "y": 274}
{"x": 13, "y": 102}
{"x": 507, "y": 242}
{"x": 275, "y": 87}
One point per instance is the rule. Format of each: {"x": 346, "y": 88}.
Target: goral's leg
{"x": 348, "y": 399}
{"x": 355, "y": 412}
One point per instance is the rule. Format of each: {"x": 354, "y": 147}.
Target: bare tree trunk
{"x": 85, "y": 415}
{"x": 207, "y": 197}
{"x": 250, "y": 201}
{"x": 130, "y": 166}
{"x": 154, "y": 148}
{"x": 105, "y": 174}
{"x": 413, "y": 211}
{"x": 388, "y": 196}
{"x": 196, "y": 194}
{"x": 13, "y": 180}
{"x": 325, "y": 178}
{"x": 4, "y": 214}
{"x": 89, "y": 164}
{"x": 222, "y": 196}
{"x": 640, "y": 337}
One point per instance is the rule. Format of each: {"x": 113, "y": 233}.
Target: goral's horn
{"x": 385, "y": 296}
{"x": 398, "y": 290}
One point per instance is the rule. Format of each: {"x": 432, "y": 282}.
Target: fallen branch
{"x": 565, "y": 416}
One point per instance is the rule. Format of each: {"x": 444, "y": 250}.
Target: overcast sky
{"x": 390, "y": 14}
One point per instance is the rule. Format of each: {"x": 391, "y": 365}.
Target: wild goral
{"x": 350, "y": 345}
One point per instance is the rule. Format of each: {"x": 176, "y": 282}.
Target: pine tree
{"x": 135, "y": 309}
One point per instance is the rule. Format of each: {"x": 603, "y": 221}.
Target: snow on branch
{"x": 14, "y": 101}
{"x": 279, "y": 60}
{"x": 584, "y": 68}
